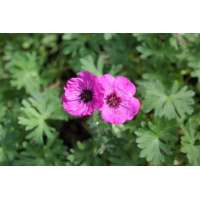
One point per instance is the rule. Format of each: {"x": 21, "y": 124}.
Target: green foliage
{"x": 190, "y": 141}
{"x": 37, "y": 110}
{"x": 88, "y": 64}
{"x": 52, "y": 153}
{"x": 34, "y": 129}
{"x": 167, "y": 102}
{"x": 156, "y": 140}
{"x": 25, "y": 72}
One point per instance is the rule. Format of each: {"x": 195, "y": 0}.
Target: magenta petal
{"x": 130, "y": 107}
{"x": 107, "y": 82}
{"x": 88, "y": 79}
{"x": 124, "y": 84}
{"x": 112, "y": 116}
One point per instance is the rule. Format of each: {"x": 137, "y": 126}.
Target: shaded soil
{"x": 73, "y": 131}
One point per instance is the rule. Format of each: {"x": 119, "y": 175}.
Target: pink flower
{"x": 83, "y": 95}
{"x": 119, "y": 103}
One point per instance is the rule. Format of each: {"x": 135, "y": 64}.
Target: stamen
{"x": 113, "y": 100}
{"x": 86, "y": 96}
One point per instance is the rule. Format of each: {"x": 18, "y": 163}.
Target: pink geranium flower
{"x": 83, "y": 95}
{"x": 120, "y": 104}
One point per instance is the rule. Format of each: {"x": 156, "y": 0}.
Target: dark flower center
{"x": 113, "y": 100}
{"x": 86, "y": 96}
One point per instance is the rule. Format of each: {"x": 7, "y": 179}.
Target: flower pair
{"x": 113, "y": 96}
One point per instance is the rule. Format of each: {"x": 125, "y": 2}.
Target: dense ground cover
{"x": 34, "y": 129}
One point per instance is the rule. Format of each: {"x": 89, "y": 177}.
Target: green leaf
{"x": 49, "y": 40}
{"x": 145, "y": 52}
{"x": 24, "y": 71}
{"x": 190, "y": 141}
{"x": 155, "y": 140}
{"x": 52, "y": 153}
{"x": 67, "y": 36}
{"x": 115, "y": 69}
{"x": 88, "y": 64}
{"x": 37, "y": 110}
{"x": 166, "y": 102}
{"x": 2, "y": 133}
{"x": 195, "y": 65}
{"x": 2, "y": 111}
{"x": 108, "y": 36}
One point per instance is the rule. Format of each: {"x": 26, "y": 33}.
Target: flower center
{"x": 86, "y": 96}
{"x": 113, "y": 100}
